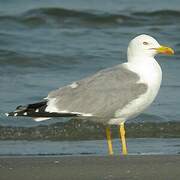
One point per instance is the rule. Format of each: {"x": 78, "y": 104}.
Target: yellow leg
{"x": 109, "y": 140}
{"x": 123, "y": 139}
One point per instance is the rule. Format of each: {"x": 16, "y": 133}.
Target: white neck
{"x": 146, "y": 67}
{"x": 142, "y": 58}
{"x": 150, "y": 74}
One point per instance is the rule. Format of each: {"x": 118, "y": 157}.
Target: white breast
{"x": 150, "y": 73}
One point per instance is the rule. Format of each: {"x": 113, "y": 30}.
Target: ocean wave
{"x": 59, "y": 16}
{"x": 40, "y": 60}
{"x": 78, "y": 130}
{"x": 159, "y": 13}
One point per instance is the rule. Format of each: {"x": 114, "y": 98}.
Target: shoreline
{"x": 136, "y": 146}
{"x": 78, "y": 130}
{"x": 90, "y": 167}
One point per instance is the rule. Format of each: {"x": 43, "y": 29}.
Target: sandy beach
{"x": 150, "y": 167}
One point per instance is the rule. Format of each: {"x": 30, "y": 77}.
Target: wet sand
{"x": 147, "y": 167}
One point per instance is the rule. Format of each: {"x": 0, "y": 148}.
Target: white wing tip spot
{"x": 25, "y": 113}
{"x": 7, "y": 114}
{"x": 15, "y": 114}
{"x": 37, "y": 110}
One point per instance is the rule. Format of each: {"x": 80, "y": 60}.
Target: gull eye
{"x": 145, "y": 43}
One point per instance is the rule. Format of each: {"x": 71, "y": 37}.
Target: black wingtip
{"x": 12, "y": 114}
{"x": 38, "y": 110}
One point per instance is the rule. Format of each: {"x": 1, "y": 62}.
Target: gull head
{"x": 146, "y": 46}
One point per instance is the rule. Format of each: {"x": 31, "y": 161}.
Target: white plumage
{"x": 112, "y": 95}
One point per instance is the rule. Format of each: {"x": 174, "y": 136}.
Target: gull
{"x": 111, "y": 96}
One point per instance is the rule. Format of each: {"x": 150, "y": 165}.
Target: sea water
{"x": 48, "y": 44}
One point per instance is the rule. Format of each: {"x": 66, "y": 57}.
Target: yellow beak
{"x": 165, "y": 50}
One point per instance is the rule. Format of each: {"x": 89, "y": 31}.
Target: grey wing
{"x": 100, "y": 95}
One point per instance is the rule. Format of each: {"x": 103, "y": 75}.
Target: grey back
{"x": 101, "y": 94}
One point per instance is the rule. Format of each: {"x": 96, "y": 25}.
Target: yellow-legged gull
{"x": 111, "y": 96}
